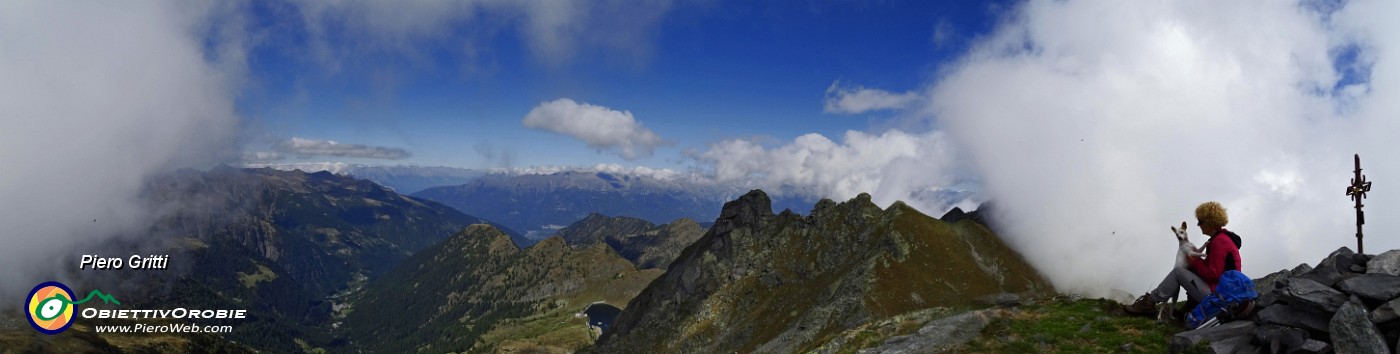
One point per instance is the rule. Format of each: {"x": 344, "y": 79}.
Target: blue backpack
{"x": 1234, "y": 296}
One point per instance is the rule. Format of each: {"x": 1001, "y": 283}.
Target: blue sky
{"x": 705, "y": 72}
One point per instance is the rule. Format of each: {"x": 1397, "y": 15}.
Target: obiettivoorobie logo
{"x": 50, "y": 306}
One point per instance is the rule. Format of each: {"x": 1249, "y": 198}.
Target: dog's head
{"x": 1180, "y": 233}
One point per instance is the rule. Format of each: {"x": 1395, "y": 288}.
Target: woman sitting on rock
{"x": 1200, "y": 276}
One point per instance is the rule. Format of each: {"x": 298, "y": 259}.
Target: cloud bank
{"x": 311, "y": 147}
{"x": 98, "y": 97}
{"x": 1096, "y": 124}
{"x": 602, "y": 128}
{"x": 890, "y": 166}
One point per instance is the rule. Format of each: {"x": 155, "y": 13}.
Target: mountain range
{"x": 404, "y": 179}
{"x": 540, "y": 201}
{"x": 540, "y": 204}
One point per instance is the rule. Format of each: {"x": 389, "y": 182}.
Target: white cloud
{"x": 891, "y": 166}
{"x": 312, "y": 147}
{"x": 601, "y": 128}
{"x": 98, "y": 97}
{"x": 858, "y": 99}
{"x": 1095, "y": 124}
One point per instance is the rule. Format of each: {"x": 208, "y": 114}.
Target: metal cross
{"x": 1357, "y": 191}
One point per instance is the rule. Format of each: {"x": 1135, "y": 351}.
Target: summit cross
{"x": 1357, "y": 191}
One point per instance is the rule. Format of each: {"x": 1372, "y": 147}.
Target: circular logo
{"x": 50, "y": 307}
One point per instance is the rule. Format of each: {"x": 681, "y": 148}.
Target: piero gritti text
{"x": 153, "y": 261}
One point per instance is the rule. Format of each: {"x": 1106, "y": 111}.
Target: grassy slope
{"x": 1050, "y": 325}
{"x": 1057, "y": 326}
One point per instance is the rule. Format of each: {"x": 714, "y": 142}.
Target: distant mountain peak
{"x": 749, "y": 209}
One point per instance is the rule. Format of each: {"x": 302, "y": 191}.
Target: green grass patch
{"x": 1058, "y": 325}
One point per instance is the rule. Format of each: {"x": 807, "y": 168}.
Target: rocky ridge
{"x": 760, "y": 282}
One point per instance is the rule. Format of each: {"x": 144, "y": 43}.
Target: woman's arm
{"x": 1214, "y": 264}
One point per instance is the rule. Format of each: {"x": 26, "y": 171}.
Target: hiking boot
{"x": 1181, "y": 312}
{"x": 1144, "y": 305}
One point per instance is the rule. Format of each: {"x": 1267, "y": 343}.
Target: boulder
{"x": 1229, "y": 331}
{"x": 1339, "y": 259}
{"x": 1269, "y": 282}
{"x": 1353, "y": 332}
{"x": 1301, "y": 269}
{"x": 1375, "y": 287}
{"x": 1280, "y": 339}
{"x": 1387, "y": 263}
{"x": 1325, "y": 275}
{"x": 1292, "y": 316}
{"x": 1307, "y": 293}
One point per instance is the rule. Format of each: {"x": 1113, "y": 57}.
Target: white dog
{"x": 1185, "y": 249}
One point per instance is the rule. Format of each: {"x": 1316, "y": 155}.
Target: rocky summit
{"x": 1346, "y": 304}
{"x": 780, "y": 283}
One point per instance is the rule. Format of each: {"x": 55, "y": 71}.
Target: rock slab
{"x": 1387, "y": 263}
{"x": 1289, "y": 316}
{"x": 1377, "y": 287}
{"x": 1311, "y": 294}
{"x": 1353, "y": 332}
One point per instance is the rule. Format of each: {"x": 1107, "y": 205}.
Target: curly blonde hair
{"x": 1212, "y": 214}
